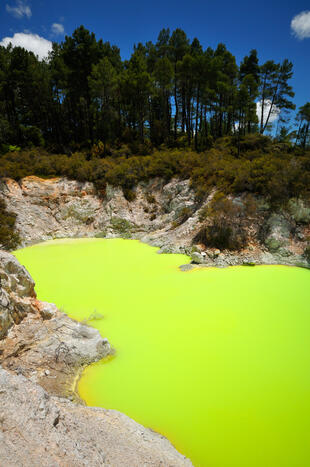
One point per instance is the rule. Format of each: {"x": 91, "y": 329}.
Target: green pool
{"x": 217, "y": 360}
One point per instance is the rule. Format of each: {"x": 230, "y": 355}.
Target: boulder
{"x": 198, "y": 258}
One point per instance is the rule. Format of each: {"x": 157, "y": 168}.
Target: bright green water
{"x": 216, "y": 360}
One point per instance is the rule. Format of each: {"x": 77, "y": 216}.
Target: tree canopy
{"x": 170, "y": 92}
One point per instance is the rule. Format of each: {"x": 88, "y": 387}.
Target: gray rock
{"x": 48, "y": 310}
{"x": 42, "y": 430}
{"x": 284, "y": 252}
{"x": 17, "y": 295}
{"x": 198, "y": 258}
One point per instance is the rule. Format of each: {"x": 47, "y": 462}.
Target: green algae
{"x": 217, "y": 360}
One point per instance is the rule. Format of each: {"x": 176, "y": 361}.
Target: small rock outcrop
{"x": 51, "y": 349}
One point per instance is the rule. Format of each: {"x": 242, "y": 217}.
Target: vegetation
{"x": 9, "y": 239}
{"x": 123, "y": 226}
{"x": 226, "y": 219}
{"x": 307, "y": 253}
{"x": 171, "y": 92}
{"x": 264, "y": 167}
{"x": 172, "y": 109}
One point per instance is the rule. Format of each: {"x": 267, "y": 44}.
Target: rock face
{"x": 37, "y": 429}
{"x": 17, "y": 295}
{"x": 51, "y": 208}
{"x": 57, "y": 208}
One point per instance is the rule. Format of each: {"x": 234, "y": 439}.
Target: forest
{"x": 171, "y": 110}
{"x": 171, "y": 93}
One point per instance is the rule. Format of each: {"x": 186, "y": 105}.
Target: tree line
{"x": 171, "y": 92}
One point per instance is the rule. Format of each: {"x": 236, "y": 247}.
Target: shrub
{"x": 122, "y": 226}
{"x": 222, "y": 227}
{"x": 261, "y": 168}
{"x": 9, "y": 238}
{"x": 101, "y": 234}
{"x": 130, "y": 195}
{"x": 253, "y": 142}
{"x": 307, "y": 253}
{"x": 221, "y": 236}
{"x": 150, "y": 198}
{"x": 12, "y": 148}
{"x": 97, "y": 149}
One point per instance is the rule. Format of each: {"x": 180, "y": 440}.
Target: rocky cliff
{"x": 162, "y": 214}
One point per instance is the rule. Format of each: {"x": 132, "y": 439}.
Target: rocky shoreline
{"x": 61, "y": 208}
{"x": 42, "y": 420}
{"x": 39, "y": 429}
{"x": 43, "y": 351}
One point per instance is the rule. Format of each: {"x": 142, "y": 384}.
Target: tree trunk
{"x": 263, "y": 105}
{"x": 176, "y": 116}
{"x": 271, "y": 106}
{"x": 197, "y": 118}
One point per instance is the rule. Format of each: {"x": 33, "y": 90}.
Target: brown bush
{"x": 223, "y": 224}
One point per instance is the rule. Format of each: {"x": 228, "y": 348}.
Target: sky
{"x": 277, "y": 29}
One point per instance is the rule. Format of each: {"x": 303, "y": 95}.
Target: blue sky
{"x": 241, "y": 25}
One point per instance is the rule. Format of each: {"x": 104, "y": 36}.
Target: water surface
{"x": 217, "y": 360}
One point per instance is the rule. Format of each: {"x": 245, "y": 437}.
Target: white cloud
{"x": 274, "y": 114}
{"x": 57, "y": 29}
{"x": 20, "y": 10}
{"x": 300, "y": 25}
{"x": 32, "y": 42}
